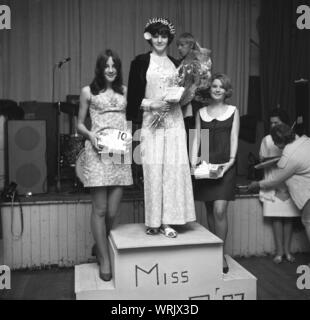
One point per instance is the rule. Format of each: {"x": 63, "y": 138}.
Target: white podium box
{"x": 148, "y": 267}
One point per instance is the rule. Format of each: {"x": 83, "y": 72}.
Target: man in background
{"x": 192, "y": 56}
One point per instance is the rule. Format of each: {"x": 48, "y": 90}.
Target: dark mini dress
{"x": 219, "y": 152}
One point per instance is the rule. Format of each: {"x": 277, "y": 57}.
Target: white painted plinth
{"x": 155, "y": 267}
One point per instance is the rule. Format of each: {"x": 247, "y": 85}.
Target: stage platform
{"x": 188, "y": 267}
{"x": 74, "y": 195}
{"x": 57, "y": 228}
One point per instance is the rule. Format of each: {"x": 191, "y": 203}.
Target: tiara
{"x": 164, "y": 21}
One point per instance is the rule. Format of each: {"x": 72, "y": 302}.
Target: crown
{"x": 164, "y": 21}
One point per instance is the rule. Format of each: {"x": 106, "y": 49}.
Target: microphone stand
{"x": 58, "y": 178}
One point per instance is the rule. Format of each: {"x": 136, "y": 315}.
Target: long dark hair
{"x": 100, "y": 83}
{"x": 159, "y": 29}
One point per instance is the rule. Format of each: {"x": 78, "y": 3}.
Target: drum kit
{"x": 71, "y": 152}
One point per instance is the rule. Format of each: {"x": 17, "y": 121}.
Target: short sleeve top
{"x": 296, "y": 160}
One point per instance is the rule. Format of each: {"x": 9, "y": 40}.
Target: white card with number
{"x": 114, "y": 140}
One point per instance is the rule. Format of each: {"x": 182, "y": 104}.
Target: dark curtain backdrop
{"x": 284, "y": 54}
{"x": 46, "y": 31}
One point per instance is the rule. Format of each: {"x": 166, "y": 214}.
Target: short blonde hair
{"x": 226, "y": 82}
{"x": 188, "y": 37}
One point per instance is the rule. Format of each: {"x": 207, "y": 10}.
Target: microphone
{"x": 61, "y": 63}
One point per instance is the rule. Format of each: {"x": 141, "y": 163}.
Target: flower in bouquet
{"x": 195, "y": 74}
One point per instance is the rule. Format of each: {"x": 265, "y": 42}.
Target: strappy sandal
{"x": 151, "y": 231}
{"x": 278, "y": 259}
{"x": 168, "y": 231}
{"x": 289, "y": 257}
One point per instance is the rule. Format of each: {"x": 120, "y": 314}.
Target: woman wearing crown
{"x": 167, "y": 183}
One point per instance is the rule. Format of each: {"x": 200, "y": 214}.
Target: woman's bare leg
{"x": 277, "y": 226}
{"x": 98, "y": 226}
{"x": 287, "y": 232}
{"x": 221, "y": 223}
{"x": 115, "y": 195}
{"x": 210, "y": 216}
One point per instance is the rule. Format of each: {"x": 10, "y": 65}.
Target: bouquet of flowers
{"x": 195, "y": 74}
{"x": 193, "y": 77}
{"x": 173, "y": 94}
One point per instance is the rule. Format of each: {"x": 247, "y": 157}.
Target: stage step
{"x": 154, "y": 267}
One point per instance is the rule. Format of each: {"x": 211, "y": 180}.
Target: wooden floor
{"x": 275, "y": 282}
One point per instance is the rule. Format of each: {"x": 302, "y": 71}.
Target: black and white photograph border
{"x": 112, "y": 189}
